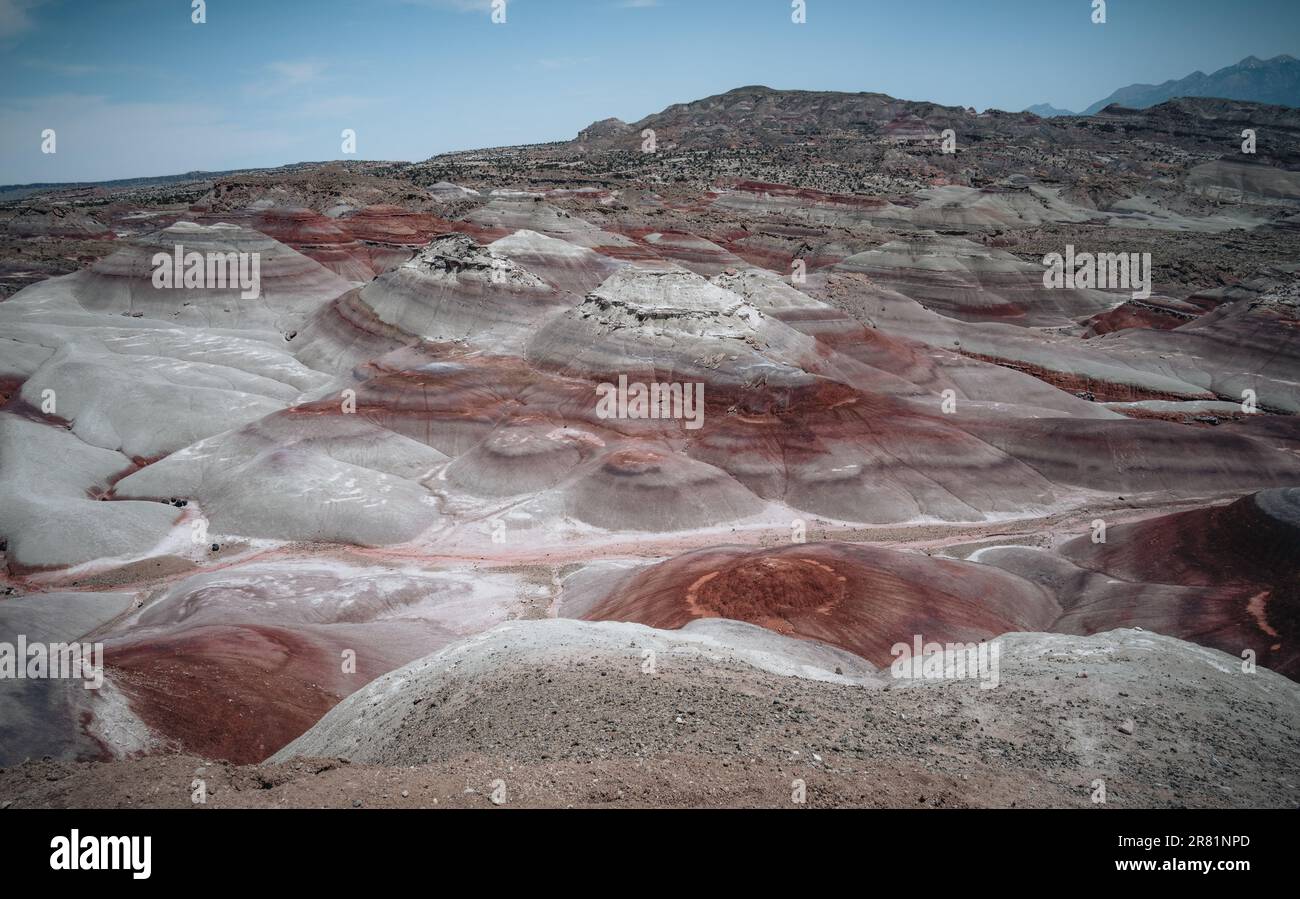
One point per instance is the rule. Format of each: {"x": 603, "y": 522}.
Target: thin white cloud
{"x": 70, "y": 70}
{"x": 99, "y": 139}
{"x": 640, "y": 4}
{"x": 556, "y": 63}
{"x": 342, "y": 105}
{"x": 282, "y": 76}
{"x": 457, "y": 5}
{"x": 16, "y": 16}
{"x": 296, "y": 72}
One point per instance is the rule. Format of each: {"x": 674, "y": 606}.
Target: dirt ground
{"x": 1161, "y": 722}
{"x": 677, "y": 781}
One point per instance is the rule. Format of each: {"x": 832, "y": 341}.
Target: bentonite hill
{"x": 394, "y": 526}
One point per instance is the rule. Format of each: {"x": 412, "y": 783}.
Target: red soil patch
{"x": 1247, "y": 559}
{"x": 1135, "y": 315}
{"x": 234, "y": 692}
{"x": 809, "y": 194}
{"x": 394, "y": 226}
{"x": 862, "y": 599}
{"x": 1101, "y": 391}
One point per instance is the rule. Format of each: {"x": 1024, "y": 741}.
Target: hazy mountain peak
{"x": 604, "y": 128}
{"x": 1275, "y": 81}
{"x": 1047, "y": 110}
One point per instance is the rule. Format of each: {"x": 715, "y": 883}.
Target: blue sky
{"x": 134, "y": 88}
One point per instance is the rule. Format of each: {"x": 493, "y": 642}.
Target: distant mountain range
{"x": 1275, "y": 81}
{"x": 1047, "y": 110}
{"x": 18, "y": 191}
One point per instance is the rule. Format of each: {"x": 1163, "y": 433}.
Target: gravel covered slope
{"x": 545, "y": 692}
